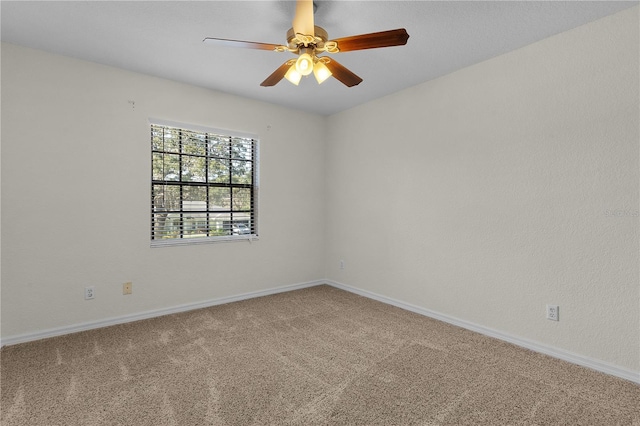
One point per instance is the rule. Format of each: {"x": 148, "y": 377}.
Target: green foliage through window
{"x": 202, "y": 185}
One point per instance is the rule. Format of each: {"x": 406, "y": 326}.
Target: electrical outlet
{"x": 89, "y": 293}
{"x": 342, "y": 264}
{"x": 127, "y": 288}
{"x": 553, "y": 312}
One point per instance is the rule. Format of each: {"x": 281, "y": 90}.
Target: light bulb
{"x": 321, "y": 72}
{"x": 293, "y": 75}
{"x": 304, "y": 64}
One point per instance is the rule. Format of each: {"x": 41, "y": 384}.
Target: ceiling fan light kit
{"x": 321, "y": 72}
{"x": 304, "y": 64}
{"x": 293, "y": 75}
{"x": 307, "y": 40}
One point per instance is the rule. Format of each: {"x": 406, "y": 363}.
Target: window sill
{"x": 198, "y": 241}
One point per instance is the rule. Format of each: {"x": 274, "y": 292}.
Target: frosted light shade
{"x": 321, "y": 72}
{"x": 293, "y": 75}
{"x": 304, "y": 64}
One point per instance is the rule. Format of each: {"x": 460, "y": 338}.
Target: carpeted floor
{"x": 316, "y": 356}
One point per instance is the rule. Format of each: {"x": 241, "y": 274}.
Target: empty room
{"x": 320, "y": 213}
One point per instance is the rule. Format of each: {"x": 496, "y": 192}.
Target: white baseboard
{"x": 571, "y": 357}
{"x": 59, "y": 331}
{"x": 564, "y": 355}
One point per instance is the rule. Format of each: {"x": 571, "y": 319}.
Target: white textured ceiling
{"x": 164, "y": 39}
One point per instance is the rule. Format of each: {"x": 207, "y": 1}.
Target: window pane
{"x": 171, "y": 167}
{"x": 220, "y": 224}
{"x": 174, "y": 225}
{"x": 166, "y": 198}
{"x": 241, "y": 199}
{"x": 157, "y": 199}
{"x": 193, "y": 143}
{"x": 171, "y": 139}
{"x": 165, "y": 225}
{"x": 219, "y": 199}
{"x": 157, "y": 143}
{"x": 241, "y": 224}
{"x": 218, "y": 171}
{"x": 193, "y": 169}
{"x": 194, "y": 225}
{"x": 218, "y": 146}
{"x": 241, "y": 148}
{"x": 241, "y": 171}
{"x": 158, "y": 166}
{"x": 194, "y": 198}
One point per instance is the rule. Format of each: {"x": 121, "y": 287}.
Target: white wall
{"x": 484, "y": 195}
{"x": 75, "y": 195}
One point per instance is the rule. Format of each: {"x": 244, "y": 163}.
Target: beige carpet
{"x": 317, "y": 356}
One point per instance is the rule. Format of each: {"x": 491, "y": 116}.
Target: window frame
{"x": 253, "y": 211}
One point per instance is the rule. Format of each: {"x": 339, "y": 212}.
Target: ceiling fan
{"x": 306, "y": 40}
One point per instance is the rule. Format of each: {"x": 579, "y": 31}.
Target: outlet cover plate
{"x": 89, "y": 293}
{"x": 553, "y": 312}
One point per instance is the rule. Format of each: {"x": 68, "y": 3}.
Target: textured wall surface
{"x": 482, "y": 195}
{"x": 76, "y": 168}
{"x": 493, "y": 191}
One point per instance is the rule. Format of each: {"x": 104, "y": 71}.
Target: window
{"x": 203, "y": 186}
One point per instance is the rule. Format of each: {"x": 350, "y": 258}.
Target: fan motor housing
{"x": 319, "y": 38}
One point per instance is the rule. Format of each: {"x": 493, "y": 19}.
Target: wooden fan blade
{"x": 239, "y": 43}
{"x": 303, "y": 20}
{"x": 389, "y": 38}
{"x": 342, "y": 74}
{"x": 277, "y": 75}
